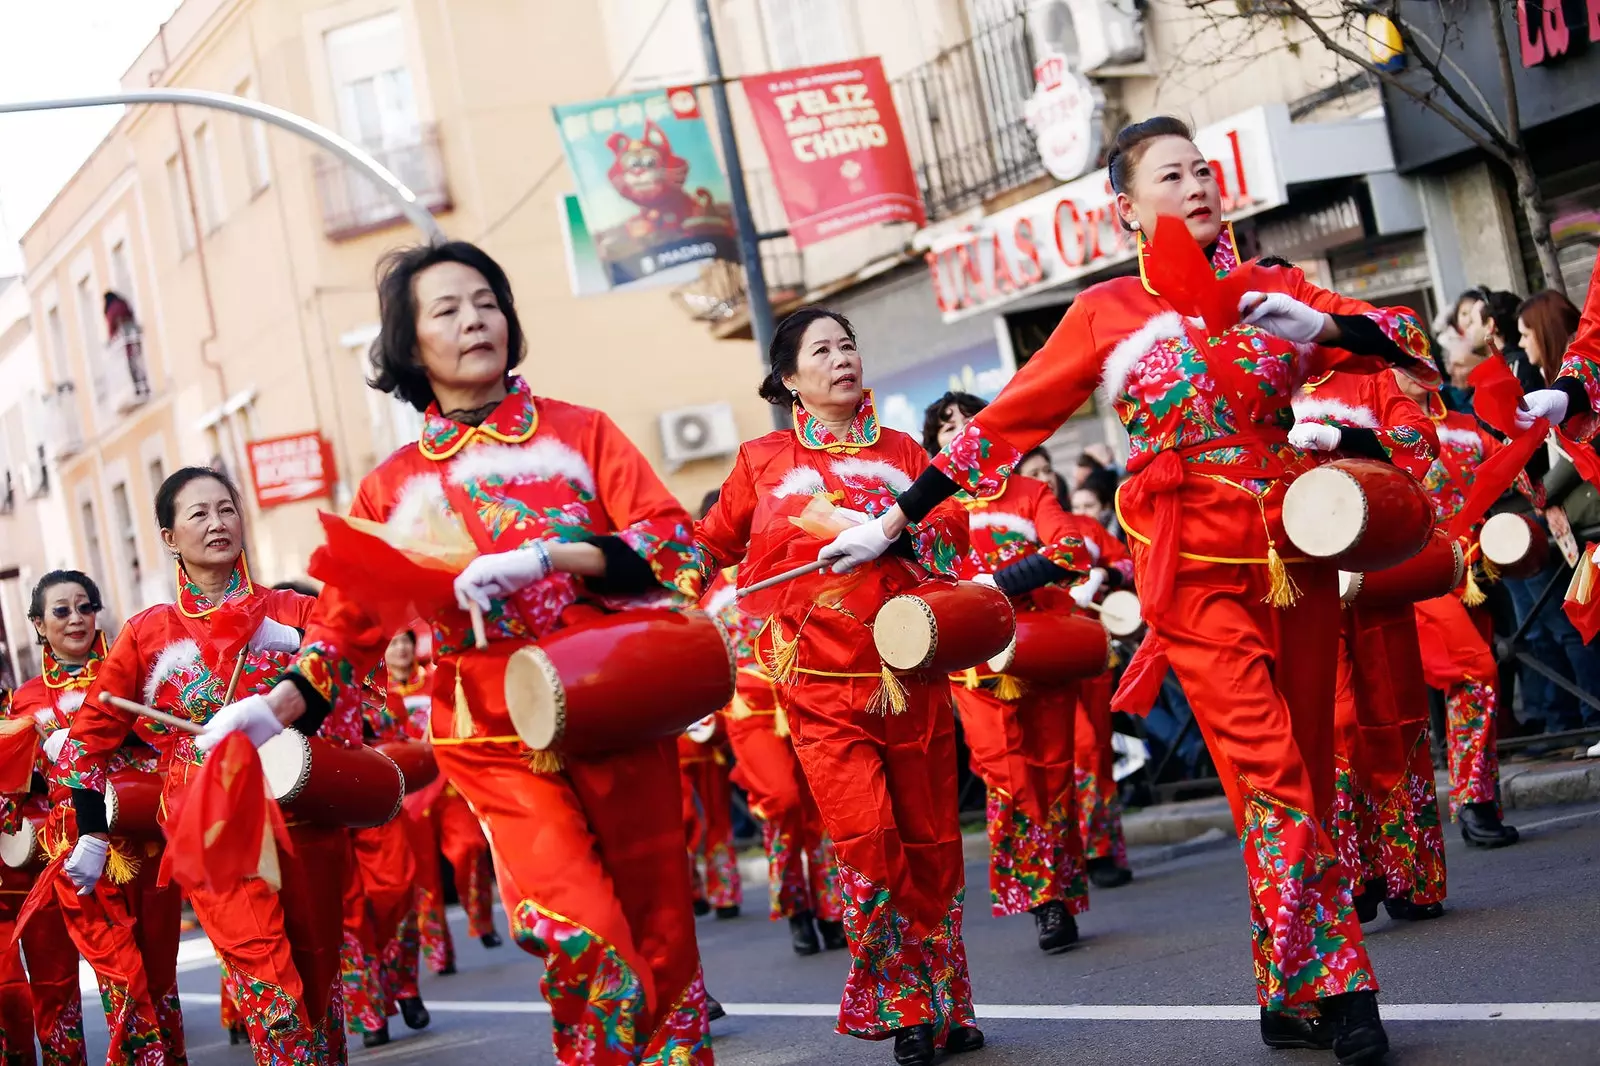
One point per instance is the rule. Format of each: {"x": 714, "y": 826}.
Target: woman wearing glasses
{"x": 128, "y": 927}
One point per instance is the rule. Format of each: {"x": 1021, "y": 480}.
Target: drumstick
{"x": 170, "y": 720}
{"x": 787, "y": 575}
{"x": 238, "y": 665}
{"x": 479, "y": 634}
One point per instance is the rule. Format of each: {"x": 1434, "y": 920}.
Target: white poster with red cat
{"x": 652, "y": 192}
{"x": 837, "y": 150}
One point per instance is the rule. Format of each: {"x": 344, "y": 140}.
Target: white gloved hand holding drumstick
{"x": 253, "y": 716}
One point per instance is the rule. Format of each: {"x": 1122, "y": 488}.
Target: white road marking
{"x": 1525, "y": 827}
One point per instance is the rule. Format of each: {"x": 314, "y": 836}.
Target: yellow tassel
{"x": 462, "y": 726}
{"x": 1281, "y": 589}
{"x": 544, "y": 761}
{"x": 1474, "y": 594}
{"x": 1008, "y": 688}
{"x": 739, "y": 710}
{"x": 1491, "y": 572}
{"x": 971, "y": 680}
{"x": 121, "y": 868}
{"x": 890, "y": 696}
{"x": 780, "y": 721}
{"x": 783, "y": 656}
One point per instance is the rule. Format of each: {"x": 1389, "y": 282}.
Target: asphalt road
{"x": 1509, "y": 975}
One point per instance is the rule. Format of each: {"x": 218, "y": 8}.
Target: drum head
{"x": 1349, "y": 586}
{"x": 535, "y": 697}
{"x": 1506, "y": 539}
{"x": 286, "y": 762}
{"x": 112, "y": 806}
{"x": 999, "y": 664}
{"x": 1324, "y": 512}
{"x": 906, "y": 633}
{"x": 1119, "y": 613}
{"x": 20, "y": 848}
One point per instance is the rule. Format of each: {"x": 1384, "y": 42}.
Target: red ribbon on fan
{"x": 802, "y": 527}
{"x": 1496, "y": 397}
{"x": 230, "y": 628}
{"x": 219, "y": 833}
{"x": 397, "y": 583}
{"x": 19, "y": 750}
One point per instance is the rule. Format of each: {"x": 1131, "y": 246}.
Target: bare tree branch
{"x": 1503, "y": 53}
{"x": 1413, "y": 40}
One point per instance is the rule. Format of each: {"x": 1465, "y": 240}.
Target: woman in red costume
{"x": 878, "y": 750}
{"x": 704, "y": 760}
{"x": 1251, "y": 634}
{"x": 567, "y": 519}
{"x": 1385, "y": 820}
{"x": 802, "y": 869}
{"x": 1020, "y": 736}
{"x": 279, "y": 949}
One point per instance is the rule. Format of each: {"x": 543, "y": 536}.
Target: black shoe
{"x": 1105, "y": 873}
{"x": 1367, "y": 900}
{"x": 1358, "y": 1036}
{"x": 491, "y": 939}
{"x": 714, "y": 1011}
{"x": 725, "y": 913}
{"x": 833, "y": 937}
{"x": 913, "y": 1045}
{"x": 1403, "y": 910}
{"x": 378, "y": 1038}
{"x": 1283, "y": 1031}
{"x": 802, "y": 934}
{"x": 1058, "y": 930}
{"x": 238, "y": 1034}
{"x": 449, "y": 968}
{"x": 1481, "y": 827}
{"x": 701, "y": 908}
{"x": 963, "y": 1038}
{"x": 415, "y": 1014}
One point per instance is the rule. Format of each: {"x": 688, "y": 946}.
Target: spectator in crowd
{"x": 1463, "y": 343}
{"x": 1036, "y": 464}
{"x": 1092, "y": 501}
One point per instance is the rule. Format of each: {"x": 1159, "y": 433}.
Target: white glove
{"x": 251, "y": 716}
{"x": 274, "y": 636}
{"x": 986, "y": 579}
{"x": 1542, "y": 403}
{"x": 855, "y": 518}
{"x": 497, "y": 576}
{"x": 1084, "y": 592}
{"x": 1283, "y": 316}
{"x": 856, "y": 545}
{"x": 1315, "y": 437}
{"x": 53, "y": 745}
{"x": 86, "y": 863}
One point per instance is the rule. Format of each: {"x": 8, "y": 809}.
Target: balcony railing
{"x": 122, "y": 379}
{"x": 962, "y": 113}
{"x": 352, "y": 204}
{"x": 63, "y": 429}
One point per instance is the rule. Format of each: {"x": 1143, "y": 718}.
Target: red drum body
{"x": 944, "y": 627}
{"x": 133, "y": 804}
{"x": 1052, "y": 647}
{"x": 1362, "y": 514}
{"x": 324, "y": 784}
{"x": 619, "y": 681}
{"x": 415, "y": 760}
{"x": 1516, "y": 545}
{"x": 1433, "y": 572}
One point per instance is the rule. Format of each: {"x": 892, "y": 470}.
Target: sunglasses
{"x": 85, "y": 609}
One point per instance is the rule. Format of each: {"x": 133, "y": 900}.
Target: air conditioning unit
{"x": 1090, "y": 33}
{"x": 701, "y": 432}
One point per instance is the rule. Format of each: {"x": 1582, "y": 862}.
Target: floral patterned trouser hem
{"x": 1100, "y": 817}
{"x": 1469, "y": 710}
{"x": 1353, "y": 825}
{"x": 1308, "y": 942}
{"x": 801, "y": 879}
{"x": 1032, "y": 863}
{"x": 895, "y": 979}
{"x": 134, "y": 1032}
{"x": 361, "y": 985}
{"x": 1410, "y": 837}
{"x": 279, "y": 1033}
{"x": 61, "y": 1041}
{"x": 437, "y": 946}
{"x": 723, "y": 887}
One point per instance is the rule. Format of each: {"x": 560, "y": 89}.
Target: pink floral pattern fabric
{"x": 800, "y": 879}
{"x": 1474, "y": 759}
{"x": 1410, "y": 836}
{"x": 1100, "y": 817}
{"x": 1353, "y": 823}
{"x": 1031, "y": 862}
{"x": 272, "y": 1018}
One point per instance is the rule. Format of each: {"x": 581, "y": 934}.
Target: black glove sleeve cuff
{"x": 90, "y": 807}
{"x": 627, "y": 574}
{"x": 927, "y": 492}
{"x": 317, "y": 708}
{"x": 1360, "y": 335}
{"x": 1364, "y": 442}
{"x": 1577, "y": 396}
{"x": 1025, "y": 575}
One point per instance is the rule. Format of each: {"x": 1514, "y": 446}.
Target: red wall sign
{"x": 287, "y": 469}
{"x": 1546, "y": 28}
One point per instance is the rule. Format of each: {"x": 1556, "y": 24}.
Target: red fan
{"x": 1177, "y": 268}
{"x": 19, "y": 748}
{"x": 232, "y": 626}
{"x": 784, "y": 546}
{"x": 1496, "y": 397}
{"x": 398, "y": 580}
{"x": 226, "y": 828}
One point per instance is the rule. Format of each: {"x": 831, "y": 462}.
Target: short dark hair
{"x": 784, "y": 354}
{"x": 407, "y": 633}
{"x": 708, "y": 501}
{"x": 933, "y": 417}
{"x": 1273, "y": 261}
{"x": 167, "y": 494}
{"x": 62, "y": 577}
{"x": 302, "y": 587}
{"x": 1036, "y": 453}
{"x": 1133, "y": 140}
{"x": 1500, "y": 309}
{"x": 393, "y": 355}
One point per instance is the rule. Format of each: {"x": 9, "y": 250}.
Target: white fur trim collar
{"x": 71, "y": 700}
{"x": 1312, "y": 409}
{"x": 856, "y": 469}
{"x": 1132, "y": 348}
{"x": 801, "y": 481}
{"x": 1004, "y": 520}
{"x": 1461, "y": 438}
{"x": 720, "y": 599}
{"x": 174, "y": 659}
{"x": 420, "y": 495}
{"x": 544, "y": 459}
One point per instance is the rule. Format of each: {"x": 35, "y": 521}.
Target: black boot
{"x": 724, "y": 913}
{"x": 1403, "y": 910}
{"x": 415, "y": 1014}
{"x": 377, "y": 1038}
{"x": 1482, "y": 828}
{"x": 913, "y": 1045}
{"x": 963, "y": 1038}
{"x": 701, "y": 908}
{"x": 1279, "y": 1030}
{"x": 802, "y": 934}
{"x": 1358, "y": 1036}
{"x": 1367, "y": 900}
{"x": 491, "y": 939}
{"x": 833, "y": 937}
{"x": 238, "y": 1034}
{"x": 1105, "y": 873}
{"x": 449, "y": 967}
{"x": 714, "y": 1011}
{"x": 1058, "y": 931}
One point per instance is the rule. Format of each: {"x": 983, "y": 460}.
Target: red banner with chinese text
{"x": 287, "y": 469}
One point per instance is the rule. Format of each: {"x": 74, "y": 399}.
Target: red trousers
{"x": 378, "y": 957}
{"x": 44, "y": 998}
{"x": 886, "y": 786}
{"x": 1099, "y": 807}
{"x": 1261, "y": 681}
{"x": 434, "y": 941}
{"x": 1457, "y": 661}
{"x": 1023, "y": 750}
{"x": 708, "y": 822}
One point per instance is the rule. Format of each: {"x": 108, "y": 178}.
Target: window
{"x": 372, "y": 86}
{"x": 121, "y": 272}
{"x": 257, "y": 164}
{"x": 127, "y": 537}
{"x": 60, "y": 363}
{"x": 89, "y": 329}
{"x": 178, "y": 194}
{"x": 805, "y": 33}
{"x": 158, "y": 474}
{"x": 91, "y": 539}
{"x": 208, "y": 177}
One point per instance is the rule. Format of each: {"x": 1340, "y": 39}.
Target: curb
{"x": 1176, "y": 823}
{"x": 1521, "y": 788}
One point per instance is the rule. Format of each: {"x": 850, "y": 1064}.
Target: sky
{"x": 57, "y": 48}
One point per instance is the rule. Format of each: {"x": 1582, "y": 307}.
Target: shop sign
{"x": 1073, "y": 231}
{"x": 1064, "y": 114}
{"x": 1314, "y": 232}
{"x": 288, "y": 469}
{"x": 1551, "y": 29}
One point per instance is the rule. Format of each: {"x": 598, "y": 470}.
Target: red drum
{"x": 1433, "y": 572}
{"x": 944, "y": 627}
{"x": 325, "y": 784}
{"x": 133, "y": 804}
{"x": 415, "y": 760}
{"x": 1053, "y": 647}
{"x": 619, "y": 681}
{"x": 1363, "y": 514}
{"x": 1516, "y": 545}
{"x": 23, "y": 850}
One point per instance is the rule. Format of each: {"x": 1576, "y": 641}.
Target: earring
{"x": 794, "y": 394}
{"x": 174, "y": 553}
